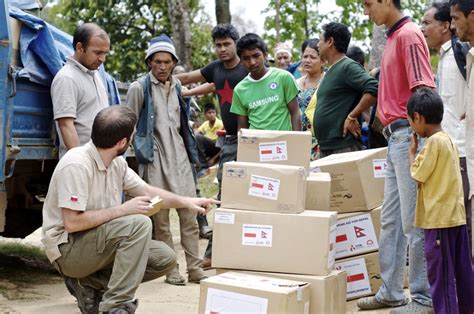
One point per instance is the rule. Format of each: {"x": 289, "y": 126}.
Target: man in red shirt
{"x": 405, "y": 66}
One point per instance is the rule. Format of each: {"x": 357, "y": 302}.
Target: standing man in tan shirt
{"x": 77, "y": 91}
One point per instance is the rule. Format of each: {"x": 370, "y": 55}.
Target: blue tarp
{"x": 43, "y": 50}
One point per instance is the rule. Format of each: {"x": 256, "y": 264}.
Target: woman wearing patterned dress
{"x": 308, "y": 84}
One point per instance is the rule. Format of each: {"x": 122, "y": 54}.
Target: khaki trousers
{"x": 189, "y": 232}
{"x": 116, "y": 257}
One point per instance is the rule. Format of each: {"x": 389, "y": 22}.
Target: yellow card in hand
{"x": 155, "y": 206}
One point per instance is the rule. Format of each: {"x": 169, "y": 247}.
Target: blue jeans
{"x": 398, "y": 230}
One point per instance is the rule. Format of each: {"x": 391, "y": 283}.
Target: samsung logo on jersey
{"x": 263, "y": 102}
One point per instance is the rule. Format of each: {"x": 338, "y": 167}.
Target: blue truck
{"x": 31, "y": 53}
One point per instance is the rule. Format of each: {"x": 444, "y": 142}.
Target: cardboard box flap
{"x": 276, "y": 285}
{"x": 284, "y": 169}
{"x": 251, "y": 134}
{"x": 344, "y": 157}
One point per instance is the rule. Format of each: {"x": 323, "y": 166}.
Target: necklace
{"x": 307, "y": 83}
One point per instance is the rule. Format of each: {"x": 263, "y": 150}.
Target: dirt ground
{"x": 43, "y": 292}
{"x": 53, "y": 298}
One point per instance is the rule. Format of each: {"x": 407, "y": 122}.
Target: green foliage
{"x": 131, "y": 24}
{"x": 295, "y": 21}
{"x": 350, "y": 12}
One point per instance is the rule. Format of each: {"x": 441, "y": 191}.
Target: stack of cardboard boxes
{"x": 263, "y": 229}
{"x": 356, "y": 184}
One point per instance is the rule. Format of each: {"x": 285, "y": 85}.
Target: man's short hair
{"x": 85, "y": 32}
{"x": 443, "y": 11}
{"x": 356, "y": 54}
{"x": 251, "y": 41}
{"x": 221, "y": 31}
{"x": 396, "y": 3}
{"x": 465, "y": 6}
{"x": 427, "y": 102}
{"x": 209, "y": 106}
{"x": 339, "y": 33}
{"x": 113, "y": 124}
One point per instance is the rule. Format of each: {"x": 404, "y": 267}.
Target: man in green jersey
{"x": 266, "y": 98}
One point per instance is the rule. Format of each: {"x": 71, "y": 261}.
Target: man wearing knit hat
{"x": 282, "y": 56}
{"x": 165, "y": 148}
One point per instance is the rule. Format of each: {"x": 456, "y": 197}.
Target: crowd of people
{"x": 95, "y": 202}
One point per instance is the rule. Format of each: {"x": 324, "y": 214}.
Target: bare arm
{"x": 351, "y": 124}
{"x": 190, "y": 77}
{"x": 68, "y": 132}
{"x": 83, "y": 220}
{"x": 295, "y": 115}
{"x": 171, "y": 200}
{"x": 200, "y": 90}
{"x": 243, "y": 122}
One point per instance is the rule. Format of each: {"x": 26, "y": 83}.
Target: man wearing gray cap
{"x": 165, "y": 148}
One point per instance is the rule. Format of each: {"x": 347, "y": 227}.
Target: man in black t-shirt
{"x": 225, "y": 74}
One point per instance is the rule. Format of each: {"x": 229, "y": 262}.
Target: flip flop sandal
{"x": 197, "y": 277}
{"x": 176, "y": 280}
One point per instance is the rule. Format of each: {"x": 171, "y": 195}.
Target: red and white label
{"x": 257, "y": 235}
{"x": 264, "y": 187}
{"x": 355, "y": 235}
{"x": 74, "y": 199}
{"x": 379, "y": 166}
{"x": 273, "y": 151}
{"x": 358, "y": 282}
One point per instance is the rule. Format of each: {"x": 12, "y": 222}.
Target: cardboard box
{"x": 357, "y": 179}
{"x": 318, "y": 191}
{"x": 363, "y": 274}
{"x": 357, "y": 233}
{"x": 234, "y": 292}
{"x": 275, "y": 147}
{"x": 328, "y": 293}
{"x": 288, "y": 243}
{"x": 263, "y": 187}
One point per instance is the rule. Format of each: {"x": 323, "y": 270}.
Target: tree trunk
{"x": 222, "y": 11}
{"x": 178, "y": 13}
{"x": 378, "y": 44}
{"x": 277, "y": 20}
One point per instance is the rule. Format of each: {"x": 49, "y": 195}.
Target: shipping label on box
{"x": 257, "y": 235}
{"x": 273, "y": 151}
{"x": 379, "y": 167}
{"x": 264, "y": 187}
{"x": 221, "y": 301}
{"x": 355, "y": 235}
{"x": 358, "y": 282}
{"x": 224, "y": 218}
{"x": 360, "y": 270}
